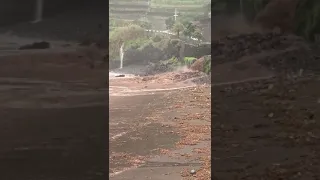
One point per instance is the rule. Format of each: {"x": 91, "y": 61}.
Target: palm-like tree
{"x": 177, "y": 28}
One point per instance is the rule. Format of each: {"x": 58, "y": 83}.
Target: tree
{"x": 177, "y": 28}
{"x": 169, "y": 22}
{"x": 121, "y": 35}
{"x": 197, "y": 34}
{"x": 188, "y": 29}
{"x": 143, "y": 24}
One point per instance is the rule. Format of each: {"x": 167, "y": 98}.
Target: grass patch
{"x": 189, "y": 60}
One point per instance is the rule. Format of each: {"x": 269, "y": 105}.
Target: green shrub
{"x": 136, "y": 43}
{"x": 157, "y": 38}
{"x": 207, "y": 64}
{"x": 174, "y": 61}
{"x": 189, "y": 60}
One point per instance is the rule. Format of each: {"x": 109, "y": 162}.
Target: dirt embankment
{"x": 262, "y": 54}
{"x": 285, "y": 125}
{"x": 265, "y": 100}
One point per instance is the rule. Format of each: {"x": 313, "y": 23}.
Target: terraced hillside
{"x": 154, "y": 10}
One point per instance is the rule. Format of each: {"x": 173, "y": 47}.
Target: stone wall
{"x": 155, "y": 54}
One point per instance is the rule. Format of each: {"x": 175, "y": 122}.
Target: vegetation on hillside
{"x": 134, "y": 36}
{"x": 121, "y": 35}
{"x": 190, "y": 3}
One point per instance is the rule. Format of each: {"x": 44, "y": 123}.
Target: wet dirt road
{"x": 141, "y": 125}
{"x": 133, "y": 136}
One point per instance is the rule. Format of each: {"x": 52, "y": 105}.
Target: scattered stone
{"x": 270, "y": 86}
{"x": 270, "y": 115}
{"x": 193, "y": 172}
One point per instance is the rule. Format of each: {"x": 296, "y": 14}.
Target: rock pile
{"x": 198, "y": 65}
{"x": 277, "y": 54}
{"x": 277, "y": 51}
{"x": 202, "y": 64}
{"x": 232, "y": 48}
{"x": 290, "y": 60}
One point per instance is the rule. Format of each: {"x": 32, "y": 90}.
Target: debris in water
{"x": 121, "y": 75}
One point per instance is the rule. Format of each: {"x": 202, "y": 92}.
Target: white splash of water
{"x": 121, "y": 56}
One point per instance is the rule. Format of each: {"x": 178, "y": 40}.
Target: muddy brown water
{"x": 54, "y": 117}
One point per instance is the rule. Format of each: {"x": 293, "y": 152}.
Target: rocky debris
{"x": 36, "y": 45}
{"x": 154, "y": 68}
{"x": 170, "y": 77}
{"x": 206, "y": 79}
{"x": 202, "y": 64}
{"x": 278, "y": 14}
{"x": 288, "y": 122}
{"x": 233, "y": 47}
{"x": 290, "y": 60}
{"x": 277, "y": 51}
{"x": 198, "y": 65}
{"x": 260, "y": 85}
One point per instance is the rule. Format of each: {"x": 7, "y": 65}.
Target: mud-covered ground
{"x": 55, "y": 118}
{"x": 152, "y": 131}
{"x": 261, "y": 134}
{"x": 152, "y": 122}
{"x": 264, "y": 112}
